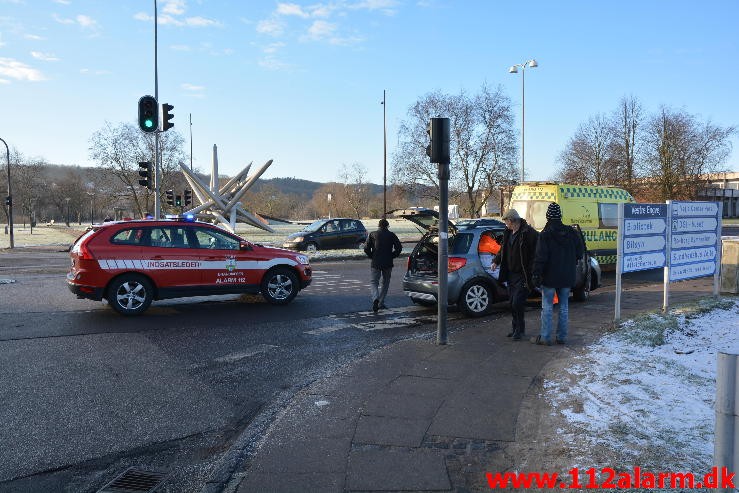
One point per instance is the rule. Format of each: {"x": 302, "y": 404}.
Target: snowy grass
{"x": 644, "y": 394}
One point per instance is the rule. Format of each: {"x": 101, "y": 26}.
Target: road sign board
{"x": 690, "y": 271}
{"x": 692, "y": 255}
{"x": 644, "y": 211}
{"x": 686, "y": 209}
{"x": 644, "y": 261}
{"x": 692, "y": 240}
{"x": 685, "y": 225}
{"x": 638, "y": 244}
{"x": 644, "y": 226}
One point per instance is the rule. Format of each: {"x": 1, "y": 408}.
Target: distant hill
{"x": 303, "y": 188}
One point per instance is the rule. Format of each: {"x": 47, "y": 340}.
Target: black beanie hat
{"x": 554, "y": 211}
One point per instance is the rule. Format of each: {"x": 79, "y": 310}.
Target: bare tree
{"x": 119, "y": 149}
{"x": 588, "y": 157}
{"x": 482, "y": 147}
{"x": 679, "y": 151}
{"x": 627, "y": 120}
{"x": 355, "y": 190}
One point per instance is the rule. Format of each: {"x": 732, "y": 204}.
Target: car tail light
{"x": 81, "y": 249}
{"x": 408, "y": 264}
{"x": 456, "y": 263}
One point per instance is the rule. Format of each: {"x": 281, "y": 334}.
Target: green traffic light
{"x": 148, "y": 123}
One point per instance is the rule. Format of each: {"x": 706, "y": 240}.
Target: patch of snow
{"x": 648, "y": 390}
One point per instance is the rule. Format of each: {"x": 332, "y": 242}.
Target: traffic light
{"x": 188, "y": 197}
{"x": 8, "y": 201}
{"x": 170, "y": 197}
{"x": 148, "y": 114}
{"x": 178, "y": 200}
{"x": 167, "y": 115}
{"x": 438, "y": 148}
{"x": 145, "y": 174}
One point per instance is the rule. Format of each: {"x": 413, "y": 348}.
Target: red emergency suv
{"x": 131, "y": 263}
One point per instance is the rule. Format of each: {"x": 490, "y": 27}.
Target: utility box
{"x": 730, "y": 265}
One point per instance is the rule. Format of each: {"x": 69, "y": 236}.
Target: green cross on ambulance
{"x": 595, "y": 209}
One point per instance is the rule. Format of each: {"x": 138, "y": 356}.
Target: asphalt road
{"x": 87, "y": 393}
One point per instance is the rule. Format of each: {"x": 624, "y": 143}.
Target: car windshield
{"x": 534, "y": 211}
{"x": 314, "y": 226}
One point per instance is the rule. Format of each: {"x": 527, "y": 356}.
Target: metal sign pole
{"x": 619, "y": 260}
{"x": 717, "y": 272}
{"x": 668, "y": 259}
{"x": 443, "y": 260}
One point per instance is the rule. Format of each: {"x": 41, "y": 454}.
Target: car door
{"x": 226, "y": 268}
{"x": 171, "y": 260}
{"x": 330, "y": 237}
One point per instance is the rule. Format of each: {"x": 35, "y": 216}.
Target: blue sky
{"x": 301, "y": 82}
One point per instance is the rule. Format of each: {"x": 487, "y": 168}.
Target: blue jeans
{"x": 547, "y": 309}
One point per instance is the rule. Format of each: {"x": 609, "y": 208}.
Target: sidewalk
{"x": 416, "y": 416}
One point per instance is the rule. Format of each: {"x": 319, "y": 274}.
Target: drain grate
{"x": 135, "y": 481}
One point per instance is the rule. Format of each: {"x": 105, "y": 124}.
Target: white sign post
{"x": 641, "y": 241}
{"x": 684, "y": 238}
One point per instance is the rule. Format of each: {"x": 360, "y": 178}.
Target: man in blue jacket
{"x": 382, "y": 247}
{"x": 555, "y": 263}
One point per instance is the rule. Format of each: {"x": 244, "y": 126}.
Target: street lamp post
{"x": 10, "y": 196}
{"x": 384, "y": 155}
{"x": 67, "y": 199}
{"x": 514, "y": 70}
{"x": 92, "y": 207}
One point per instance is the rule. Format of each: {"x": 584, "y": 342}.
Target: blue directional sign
{"x": 643, "y": 238}
{"x": 695, "y": 239}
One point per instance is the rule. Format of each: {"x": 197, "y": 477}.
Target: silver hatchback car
{"x": 472, "y": 287}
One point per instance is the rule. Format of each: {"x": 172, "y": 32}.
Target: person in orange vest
{"x": 488, "y": 248}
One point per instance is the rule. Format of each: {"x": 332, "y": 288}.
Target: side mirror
{"x": 245, "y": 245}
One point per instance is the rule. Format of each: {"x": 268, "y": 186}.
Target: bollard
{"x": 726, "y": 439}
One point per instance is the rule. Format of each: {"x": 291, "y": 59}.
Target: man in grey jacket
{"x": 382, "y": 247}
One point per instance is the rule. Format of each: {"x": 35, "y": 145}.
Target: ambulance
{"x": 594, "y": 209}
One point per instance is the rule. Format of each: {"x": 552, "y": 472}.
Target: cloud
{"x": 273, "y": 47}
{"x": 34, "y": 37}
{"x": 271, "y": 62}
{"x": 192, "y": 87}
{"x": 173, "y": 14}
{"x": 84, "y": 21}
{"x": 321, "y": 30}
{"x": 14, "y": 69}
{"x": 4, "y": 81}
{"x": 46, "y": 57}
{"x": 87, "y": 71}
{"x": 291, "y": 9}
{"x": 62, "y": 2}
{"x": 271, "y": 27}
{"x": 180, "y": 48}
{"x": 174, "y": 7}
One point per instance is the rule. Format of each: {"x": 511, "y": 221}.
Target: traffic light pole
{"x": 10, "y": 196}
{"x": 156, "y": 176}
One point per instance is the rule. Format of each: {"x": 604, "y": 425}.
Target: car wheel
{"x": 311, "y": 247}
{"x": 130, "y": 294}
{"x": 583, "y": 292}
{"x": 280, "y": 286}
{"x": 475, "y": 299}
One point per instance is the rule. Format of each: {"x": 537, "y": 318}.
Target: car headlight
{"x": 303, "y": 259}
{"x": 297, "y": 239}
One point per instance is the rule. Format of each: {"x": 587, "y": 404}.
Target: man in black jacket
{"x": 515, "y": 259}
{"x": 555, "y": 263}
{"x": 382, "y": 247}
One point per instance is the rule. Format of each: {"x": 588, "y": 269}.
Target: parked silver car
{"x": 472, "y": 287}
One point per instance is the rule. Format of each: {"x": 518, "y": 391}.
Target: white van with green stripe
{"x": 595, "y": 209}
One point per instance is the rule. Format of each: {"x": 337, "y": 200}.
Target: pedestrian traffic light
{"x": 167, "y": 115}
{"x": 178, "y": 200}
{"x": 145, "y": 174}
{"x": 438, "y": 148}
{"x": 188, "y": 197}
{"x": 148, "y": 114}
{"x": 170, "y": 197}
